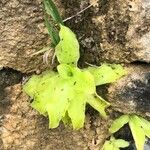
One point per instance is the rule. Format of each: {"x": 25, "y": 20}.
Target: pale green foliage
{"x": 119, "y": 123}
{"x": 145, "y": 125}
{"x": 107, "y": 73}
{"x": 140, "y": 128}
{"x": 115, "y": 144}
{"x": 137, "y": 132}
{"x": 67, "y": 50}
{"x": 63, "y": 95}
{"x": 67, "y": 91}
{"x": 98, "y": 103}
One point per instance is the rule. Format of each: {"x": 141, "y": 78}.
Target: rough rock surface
{"x": 131, "y": 94}
{"x": 112, "y": 31}
{"x": 22, "y": 34}
{"x": 125, "y": 30}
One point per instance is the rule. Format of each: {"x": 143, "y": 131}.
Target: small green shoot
{"x": 140, "y": 128}
{"x": 115, "y": 144}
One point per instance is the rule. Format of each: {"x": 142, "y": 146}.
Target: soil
{"x": 113, "y": 31}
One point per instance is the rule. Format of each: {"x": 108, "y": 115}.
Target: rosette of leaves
{"x": 63, "y": 95}
{"x": 140, "y": 128}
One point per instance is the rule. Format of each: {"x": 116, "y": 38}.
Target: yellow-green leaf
{"x": 98, "y": 103}
{"x": 119, "y": 123}
{"x": 107, "y": 73}
{"x": 31, "y": 85}
{"x": 107, "y": 146}
{"x": 76, "y": 111}
{"x": 115, "y": 144}
{"x": 145, "y": 125}
{"x": 65, "y": 71}
{"x": 67, "y": 50}
{"x": 121, "y": 143}
{"x": 137, "y": 132}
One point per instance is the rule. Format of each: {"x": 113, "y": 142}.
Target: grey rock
{"x": 131, "y": 94}
{"x": 147, "y": 145}
{"x": 120, "y": 30}
{"x": 126, "y": 31}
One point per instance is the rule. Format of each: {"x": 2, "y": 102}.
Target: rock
{"x": 131, "y": 93}
{"x": 147, "y": 145}
{"x": 8, "y": 77}
{"x": 112, "y": 31}
{"x": 22, "y": 34}
{"x": 125, "y": 31}
{"x": 119, "y": 29}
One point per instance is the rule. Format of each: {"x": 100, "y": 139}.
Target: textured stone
{"x": 125, "y": 31}
{"x": 22, "y": 34}
{"x": 112, "y": 31}
{"x": 119, "y": 30}
{"x": 131, "y": 93}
